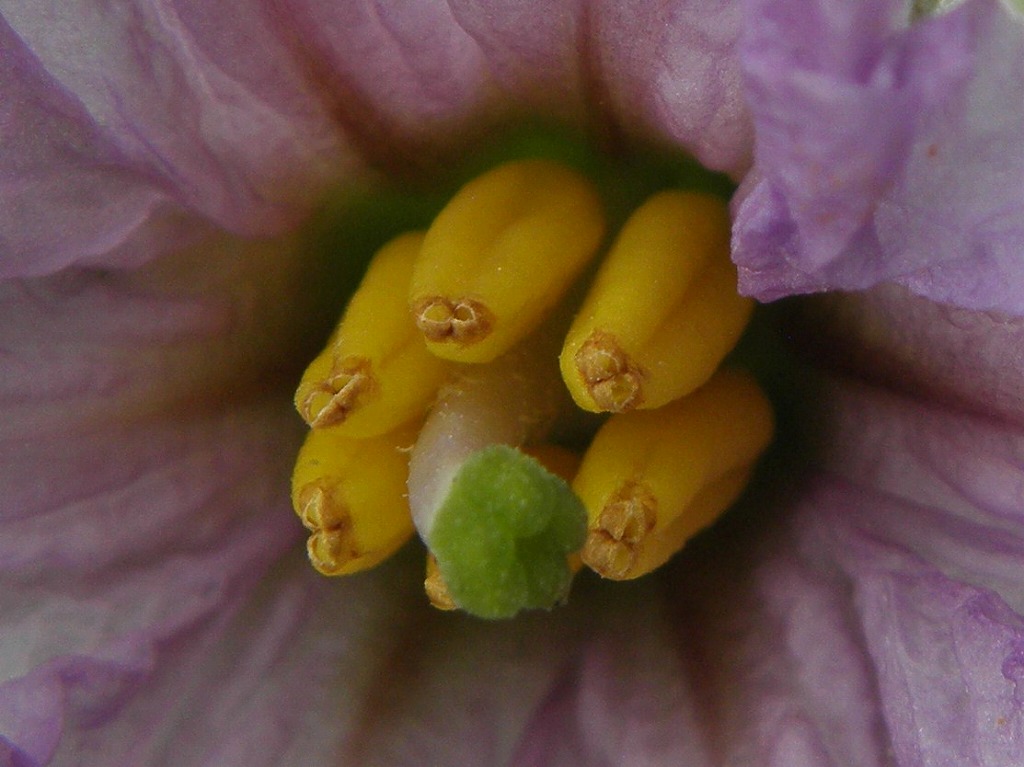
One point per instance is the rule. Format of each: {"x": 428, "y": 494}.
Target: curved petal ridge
{"x": 170, "y": 105}
{"x": 687, "y": 85}
{"x": 885, "y": 152}
{"x": 276, "y": 676}
{"x": 402, "y": 79}
{"x": 943, "y": 650}
{"x": 957, "y": 478}
{"x": 968, "y": 360}
{"x": 66, "y": 193}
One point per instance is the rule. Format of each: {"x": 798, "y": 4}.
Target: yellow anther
{"x": 376, "y": 373}
{"x": 499, "y": 257}
{"x": 663, "y": 310}
{"x": 704, "y": 509}
{"x": 652, "y": 479}
{"x": 350, "y": 495}
{"x": 436, "y": 588}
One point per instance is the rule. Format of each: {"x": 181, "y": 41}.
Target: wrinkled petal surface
{"x": 138, "y": 513}
{"x": 116, "y": 117}
{"x": 117, "y": 120}
{"x": 886, "y": 151}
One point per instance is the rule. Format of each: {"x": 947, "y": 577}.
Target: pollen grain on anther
{"x": 435, "y": 587}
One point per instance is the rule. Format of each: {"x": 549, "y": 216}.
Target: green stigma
{"x": 503, "y": 536}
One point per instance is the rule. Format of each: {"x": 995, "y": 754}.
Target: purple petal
{"x": 117, "y": 122}
{"x": 639, "y": 69}
{"x": 885, "y": 152}
{"x": 934, "y": 549}
{"x": 121, "y": 118}
{"x": 137, "y": 509}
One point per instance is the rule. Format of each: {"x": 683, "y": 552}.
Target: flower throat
{"x": 532, "y": 391}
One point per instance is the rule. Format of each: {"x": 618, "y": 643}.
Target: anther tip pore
{"x": 612, "y": 547}
{"x": 611, "y": 378}
{"x": 461, "y": 321}
{"x": 504, "y": 534}
{"x": 329, "y": 546}
{"x": 329, "y": 402}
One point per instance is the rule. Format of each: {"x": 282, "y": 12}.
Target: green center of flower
{"x": 493, "y": 334}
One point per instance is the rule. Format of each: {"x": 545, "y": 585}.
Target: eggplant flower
{"x": 160, "y": 165}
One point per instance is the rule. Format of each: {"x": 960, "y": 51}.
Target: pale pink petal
{"x": 402, "y": 77}
{"x": 137, "y": 508}
{"x": 120, "y": 115}
{"x": 243, "y": 113}
{"x": 585, "y": 63}
{"x": 279, "y": 675}
{"x": 67, "y": 194}
{"x": 964, "y": 359}
{"x": 887, "y": 151}
{"x": 91, "y": 344}
{"x": 671, "y": 72}
{"x": 128, "y": 540}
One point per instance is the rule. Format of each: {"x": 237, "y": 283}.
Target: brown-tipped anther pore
{"x": 612, "y": 546}
{"x": 462, "y": 321}
{"x": 613, "y": 380}
{"x": 436, "y": 588}
{"x": 330, "y": 544}
{"x": 329, "y": 402}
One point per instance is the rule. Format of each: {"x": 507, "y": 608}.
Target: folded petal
{"x": 885, "y": 151}
{"x": 279, "y": 675}
{"x": 54, "y": 212}
{"x": 206, "y": 323}
{"x": 927, "y": 506}
{"x": 139, "y": 511}
{"x": 119, "y": 118}
{"x": 128, "y": 540}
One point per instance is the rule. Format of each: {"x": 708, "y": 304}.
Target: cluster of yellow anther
{"x": 655, "y": 323}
